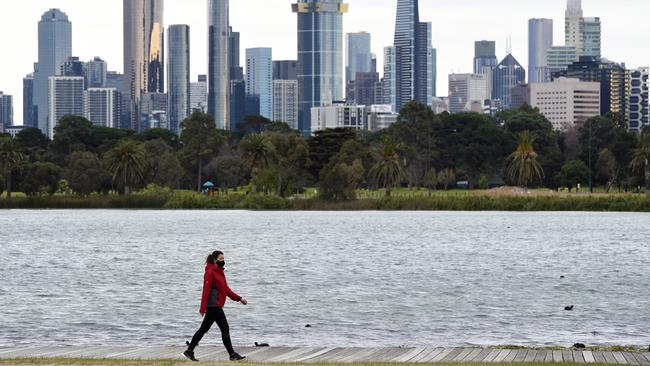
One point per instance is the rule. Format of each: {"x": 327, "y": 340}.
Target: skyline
{"x": 270, "y": 23}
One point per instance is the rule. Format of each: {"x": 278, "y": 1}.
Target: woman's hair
{"x": 213, "y": 257}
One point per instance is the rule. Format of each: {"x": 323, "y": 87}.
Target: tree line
{"x": 422, "y": 149}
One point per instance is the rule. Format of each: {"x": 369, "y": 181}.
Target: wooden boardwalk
{"x": 338, "y": 355}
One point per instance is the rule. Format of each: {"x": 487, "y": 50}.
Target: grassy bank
{"x": 436, "y": 202}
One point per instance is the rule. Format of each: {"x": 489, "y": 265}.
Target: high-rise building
{"x": 259, "y": 78}
{"x": 218, "y": 62}
{"x": 506, "y": 75}
{"x": 388, "y": 82}
{"x": 573, "y": 16}
{"x": 54, "y": 48}
{"x": 414, "y": 56}
{"x": 566, "y": 102}
{"x": 285, "y": 70}
{"x": 6, "y": 110}
{"x": 519, "y": 96}
{"x": 199, "y": 95}
{"x": 73, "y": 67}
{"x": 485, "y": 57}
{"x": 590, "y": 37}
{"x": 114, "y": 80}
{"x": 143, "y": 53}
{"x": 102, "y": 107}
{"x": 96, "y": 70}
{"x": 236, "y": 71}
{"x": 339, "y": 115}
{"x": 540, "y": 40}
{"x": 359, "y": 56}
{"x": 638, "y": 117}
{"x": 66, "y": 97}
{"x": 285, "y": 102}
{"x": 365, "y": 86}
{"x": 558, "y": 58}
{"x": 30, "y": 119}
{"x": 465, "y": 89}
{"x": 153, "y": 111}
{"x": 613, "y": 78}
{"x": 178, "y": 76}
{"x": 320, "y": 55}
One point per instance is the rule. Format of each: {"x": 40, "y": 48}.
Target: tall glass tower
{"x": 359, "y": 56}
{"x": 178, "y": 75}
{"x": 572, "y": 17}
{"x": 320, "y": 55}
{"x": 143, "y": 53}
{"x": 508, "y": 74}
{"x": 414, "y": 57}
{"x": 540, "y": 40}
{"x": 259, "y": 78}
{"x": 54, "y": 49}
{"x": 218, "y": 62}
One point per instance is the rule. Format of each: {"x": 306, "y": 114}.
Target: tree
{"x": 524, "y": 167}
{"x": 34, "y": 142}
{"x": 641, "y": 160}
{"x": 388, "y": 170}
{"x": 574, "y": 172}
{"x": 447, "y": 177}
{"x": 227, "y": 171}
{"x": 339, "y": 181}
{"x": 252, "y": 125}
{"x": 84, "y": 174}
{"x": 163, "y": 167}
{"x": 127, "y": 164}
{"x": 324, "y": 144}
{"x": 41, "y": 178}
{"x": 280, "y": 127}
{"x": 257, "y": 152}
{"x": 431, "y": 179}
{"x": 607, "y": 167}
{"x": 73, "y": 133}
{"x": 12, "y": 158}
{"x": 291, "y": 161}
{"x": 171, "y": 139}
{"x": 200, "y": 142}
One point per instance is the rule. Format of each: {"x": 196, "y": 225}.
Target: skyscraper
{"x": 638, "y": 116}
{"x": 414, "y": 57}
{"x": 285, "y": 70}
{"x": 485, "y": 57}
{"x": 540, "y": 39}
{"x": 508, "y": 74}
{"x": 199, "y": 95}
{"x": 259, "y": 78}
{"x": 178, "y": 76}
{"x": 359, "y": 57}
{"x": 466, "y": 89}
{"x": 66, "y": 97}
{"x": 143, "y": 53}
{"x": 96, "y": 70}
{"x": 54, "y": 48}
{"x": 320, "y": 55}
{"x": 102, "y": 107}
{"x": 218, "y": 62}
{"x": 285, "y": 102}
{"x": 558, "y": 58}
{"x": 572, "y": 17}
{"x": 6, "y": 110}
{"x": 29, "y": 110}
{"x": 590, "y": 37}
{"x": 388, "y": 87}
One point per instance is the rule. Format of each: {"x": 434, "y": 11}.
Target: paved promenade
{"x": 339, "y": 355}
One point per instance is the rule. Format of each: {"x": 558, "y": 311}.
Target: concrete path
{"x": 339, "y": 355}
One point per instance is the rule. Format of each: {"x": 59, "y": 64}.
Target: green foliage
{"x": 127, "y": 163}
{"x": 264, "y": 202}
{"x": 12, "y": 159}
{"x": 431, "y": 179}
{"x": 227, "y": 171}
{"x": 253, "y": 125}
{"x": 290, "y": 163}
{"x": 324, "y": 145}
{"x": 258, "y": 153}
{"x": 388, "y": 170}
{"x": 162, "y": 164}
{"x": 524, "y": 167}
{"x": 201, "y": 143}
{"x": 447, "y": 177}
{"x": 41, "y": 178}
{"x": 85, "y": 173}
{"x": 641, "y": 159}
{"x": 484, "y": 182}
{"x": 574, "y": 172}
{"x": 339, "y": 181}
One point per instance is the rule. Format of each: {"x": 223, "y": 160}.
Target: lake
{"x": 359, "y": 278}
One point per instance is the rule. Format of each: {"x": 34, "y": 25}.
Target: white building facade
{"x": 65, "y": 97}
{"x": 465, "y": 89}
{"x": 285, "y": 102}
{"x": 566, "y": 102}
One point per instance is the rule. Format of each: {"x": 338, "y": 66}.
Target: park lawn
{"x": 103, "y": 362}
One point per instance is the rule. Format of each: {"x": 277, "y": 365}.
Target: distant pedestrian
{"x": 215, "y": 291}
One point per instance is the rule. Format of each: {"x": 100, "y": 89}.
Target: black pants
{"x": 214, "y": 315}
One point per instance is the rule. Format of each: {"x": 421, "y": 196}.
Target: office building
{"x": 153, "y": 111}
{"x": 506, "y": 75}
{"x": 540, "y": 39}
{"x": 54, "y": 48}
{"x": 73, "y": 67}
{"x": 485, "y": 58}
{"x": 66, "y": 97}
{"x": 285, "y": 70}
{"x": 240, "y": 104}
{"x": 199, "y": 95}
{"x": 465, "y": 89}
{"x": 590, "y": 37}
{"x": 143, "y": 54}
{"x": 6, "y": 110}
{"x": 285, "y": 102}
{"x": 30, "y": 119}
{"x": 572, "y": 17}
{"x": 558, "y": 58}
{"x": 613, "y": 78}
{"x": 259, "y": 78}
{"x": 638, "y": 117}
{"x": 178, "y": 76}
{"x": 440, "y": 105}
{"x": 388, "y": 82}
{"x": 365, "y": 88}
{"x": 414, "y": 56}
{"x": 320, "y": 56}
{"x": 566, "y": 102}
{"x": 520, "y": 95}
{"x": 218, "y": 62}
{"x": 380, "y": 116}
{"x": 339, "y": 115}
{"x": 96, "y": 71}
{"x": 359, "y": 56}
{"x": 236, "y": 71}
{"x": 103, "y": 107}
{"x": 114, "y": 80}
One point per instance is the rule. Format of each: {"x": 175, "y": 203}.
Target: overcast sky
{"x": 97, "y": 30}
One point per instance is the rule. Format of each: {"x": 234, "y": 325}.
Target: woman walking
{"x": 215, "y": 291}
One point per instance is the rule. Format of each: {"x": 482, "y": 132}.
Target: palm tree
{"x": 12, "y": 158}
{"x": 388, "y": 170}
{"x": 257, "y": 152}
{"x": 524, "y": 167}
{"x": 127, "y": 164}
{"x": 641, "y": 160}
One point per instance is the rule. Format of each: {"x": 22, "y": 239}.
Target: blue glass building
{"x": 506, "y": 75}
{"x": 178, "y": 76}
{"x": 219, "y": 62}
{"x": 259, "y": 78}
{"x": 540, "y": 40}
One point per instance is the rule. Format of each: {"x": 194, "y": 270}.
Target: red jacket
{"x": 215, "y": 281}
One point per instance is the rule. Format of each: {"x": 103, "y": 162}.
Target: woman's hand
{"x": 243, "y": 301}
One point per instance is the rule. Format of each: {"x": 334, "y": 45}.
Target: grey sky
{"x": 97, "y": 30}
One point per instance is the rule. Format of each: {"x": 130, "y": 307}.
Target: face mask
{"x": 221, "y": 264}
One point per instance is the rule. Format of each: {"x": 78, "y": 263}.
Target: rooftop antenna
{"x": 509, "y": 45}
